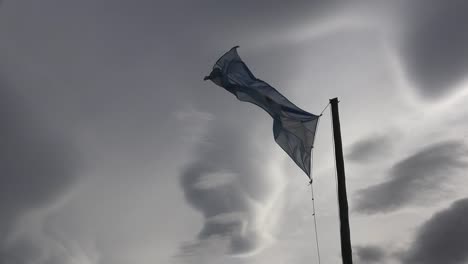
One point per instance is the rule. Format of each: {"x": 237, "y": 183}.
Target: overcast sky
{"x": 115, "y": 151}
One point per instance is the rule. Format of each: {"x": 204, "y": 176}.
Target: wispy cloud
{"x": 37, "y": 166}
{"x": 226, "y": 185}
{"x": 370, "y": 148}
{"x": 414, "y": 178}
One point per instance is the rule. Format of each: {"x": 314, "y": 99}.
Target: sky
{"x": 115, "y": 151}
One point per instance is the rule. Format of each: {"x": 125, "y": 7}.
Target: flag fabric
{"x": 293, "y": 128}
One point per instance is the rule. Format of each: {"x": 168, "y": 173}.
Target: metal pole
{"x": 346, "y": 251}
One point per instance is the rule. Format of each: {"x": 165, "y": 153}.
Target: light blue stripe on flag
{"x": 293, "y": 128}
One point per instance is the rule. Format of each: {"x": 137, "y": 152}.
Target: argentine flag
{"x": 293, "y": 128}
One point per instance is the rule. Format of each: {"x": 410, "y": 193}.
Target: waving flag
{"x": 293, "y": 128}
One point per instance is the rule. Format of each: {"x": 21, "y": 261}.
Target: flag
{"x": 293, "y": 128}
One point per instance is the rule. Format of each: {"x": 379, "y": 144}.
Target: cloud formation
{"x": 368, "y": 149}
{"x": 111, "y": 73}
{"x": 226, "y": 186}
{"x": 435, "y": 45}
{"x": 414, "y": 178}
{"x": 442, "y": 239}
{"x": 368, "y": 254}
{"x": 36, "y": 166}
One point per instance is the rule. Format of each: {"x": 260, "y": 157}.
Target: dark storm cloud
{"x": 368, "y": 254}
{"x": 227, "y": 206}
{"x": 414, "y": 177}
{"x": 442, "y": 239}
{"x": 368, "y": 149}
{"x": 36, "y": 165}
{"x": 435, "y": 45}
{"x": 21, "y": 252}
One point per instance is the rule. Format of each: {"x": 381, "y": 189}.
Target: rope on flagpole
{"x": 325, "y": 108}
{"x": 314, "y": 213}
{"x": 315, "y": 222}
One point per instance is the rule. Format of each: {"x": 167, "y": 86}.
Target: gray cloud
{"x": 273, "y": 16}
{"x": 369, "y": 149}
{"x": 227, "y": 206}
{"x": 442, "y": 239}
{"x": 435, "y": 45}
{"x": 36, "y": 166}
{"x": 111, "y": 73}
{"x": 22, "y": 252}
{"x": 368, "y": 254}
{"x": 414, "y": 178}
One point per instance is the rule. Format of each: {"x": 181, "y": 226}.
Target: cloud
{"x": 228, "y": 204}
{"x": 368, "y": 149}
{"x": 43, "y": 248}
{"x": 435, "y": 45}
{"x": 262, "y": 14}
{"x": 36, "y": 166}
{"x": 23, "y": 252}
{"x": 369, "y": 254}
{"x": 441, "y": 239}
{"x": 414, "y": 178}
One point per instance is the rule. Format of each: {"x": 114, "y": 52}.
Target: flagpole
{"x": 346, "y": 251}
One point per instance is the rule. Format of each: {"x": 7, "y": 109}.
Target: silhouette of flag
{"x": 293, "y": 128}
